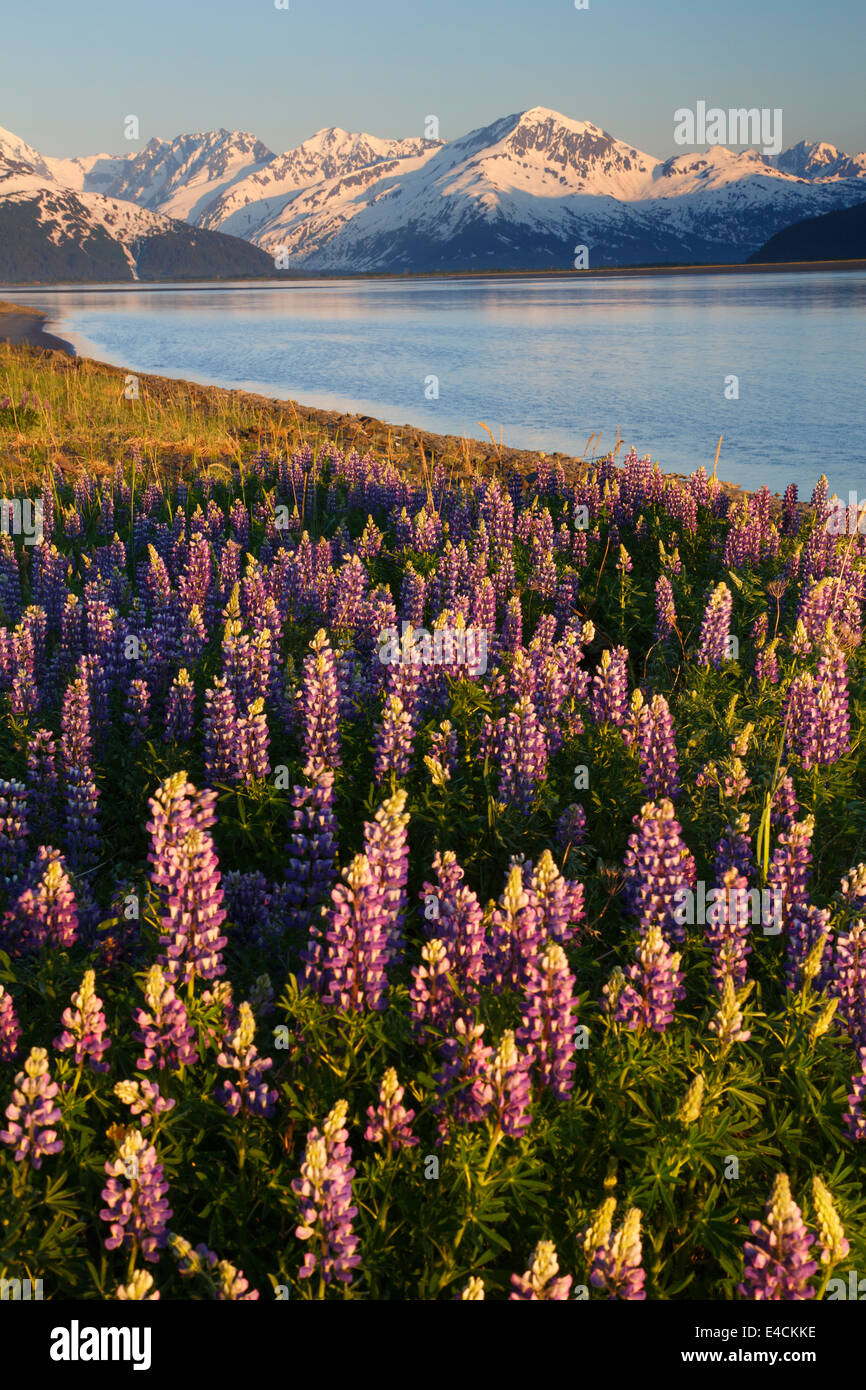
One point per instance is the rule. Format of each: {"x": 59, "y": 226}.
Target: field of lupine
{"x": 430, "y": 889}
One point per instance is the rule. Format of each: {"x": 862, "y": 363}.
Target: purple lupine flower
{"x": 515, "y": 935}
{"x": 540, "y": 1281}
{"x": 32, "y": 1112}
{"x": 510, "y": 1088}
{"x": 523, "y": 756}
{"x": 318, "y": 704}
{"x": 143, "y": 1098}
{"x": 548, "y": 1024}
{"x": 559, "y": 900}
{"x": 248, "y": 1091}
{"x": 453, "y": 913}
{"x": 136, "y": 1209}
{"x": 658, "y": 867}
{"x": 13, "y": 828}
{"x": 253, "y": 743}
{"x": 432, "y": 996}
{"x": 185, "y": 874}
{"x": 616, "y": 1259}
{"x": 854, "y": 1118}
{"x": 166, "y": 1035}
{"x": 727, "y": 930}
{"x": 390, "y": 1121}
{"x": 570, "y": 828}
{"x": 777, "y": 1263}
{"x": 42, "y": 783}
{"x": 387, "y": 848}
{"x": 463, "y": 1086}
{"x": 666, "y": 613}
{"x": 312, "y": 848}
{"x": 221, "y": 733}
{"x": 715, "y": 628}
{"x": 659, "y": 768}
{"x": 654, "y": 985}
{"x": 790, "y": 869}
{"x": 808, "y": 925}
{"x": 785, "y": 807}
{"x": 137, "y": 710}
{"x": 45, "y": 913}
{"x": 392, "y": 741}
{"x": 734, "y": 849}
{"x": 225, "y": 1282}
{"x": 608, "y": 696}
{"x": 767, "y": 663}
{"x": 324, "y": 1192}
{"x": 354, "y": 956}
{"x": 180, "y": 709}
{"x": 848, "y": 982}
{"x": 10, "y": 1028}
{"x": 84, "y": 1027}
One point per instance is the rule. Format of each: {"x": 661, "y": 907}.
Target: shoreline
{"x": 23, "y": 326}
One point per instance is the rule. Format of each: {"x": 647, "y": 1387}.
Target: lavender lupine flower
{"x": 10, "y": 1028}
{"x": 137, "y": 710}
{"x": 727, "y": 930}
{"x": 559, "y": 900}
{"x": 45, "y": 913}
{"x": 666, "y": 613}
{"x": 136, "y": 1208}
{"x": 808, "y": 925}
{"x": 616, "y": 1258}
{"x": 453, "y": 913}
{"x": 848, "y": 983}
{"x": 854, "y": 1118}
{"x": 84, "y": 1027}
{"x": 523, "y": 756}
{"x": 392, "y": 741}
{"x": 248, "y": 1092}
{"x": 164, "y": 1031}
{"x": 221, "y": 733}
{"x": 777, "y": 1263}
{"x": 433, "y": 1001}
{"x": 658, "y": 867}
{"x": 654, "y": 985}
{"x": 13, "y": 828}
{"x": 790, "y": 870}
{"x": 540, "y": 1283}
{"x": 324, "y": 1190}
{"x": 312, "y": 851}
{"x": 608, "y": 696}
{"x": 253, "y": 743}
{"x": 354, "y": 956}
{"x": 571, "y": 828}
{"x": 657, "y": 751}
{"x": 767, "y": 663}
{"x": 32, "y": 1113}
{"x": 548, "y": 1024}
{"x": 143, "y": 1098}
{"x": 185, "y": 873}
{"x": 318, "y": 705}
{"x": 180, "y": 709}
{"x": 387, "y": 848}
{"x": 391, "y": 1122}
{"x": 515, "y": 935}
{"x": 225, "y": 1282}
{"x": 463, "y": 1086}
{"x": 510, "y": 1088}
{"x": 715, "y": 628}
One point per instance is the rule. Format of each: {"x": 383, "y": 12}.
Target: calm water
{"x": 545, "y": 363}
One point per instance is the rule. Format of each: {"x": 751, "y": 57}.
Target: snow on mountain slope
{"x": 182, "y": 177}
{"x": 15, "y": 150}
{"x": 815, "y": 159}
{"x": 254, "y": 200}
{"x": 91, "y": 173}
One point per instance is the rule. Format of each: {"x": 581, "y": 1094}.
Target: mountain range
{"x": 522, "y": 193}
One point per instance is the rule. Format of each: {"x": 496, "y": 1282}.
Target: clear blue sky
{"x": 73, "y": 69}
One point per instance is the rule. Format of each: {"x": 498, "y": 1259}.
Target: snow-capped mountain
{"x": 814, "y": 159}
{"x": 523, "y": 192}
{"x": 50, "y": 232}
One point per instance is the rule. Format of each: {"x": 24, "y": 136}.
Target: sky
{"x": 73, "y": 70}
